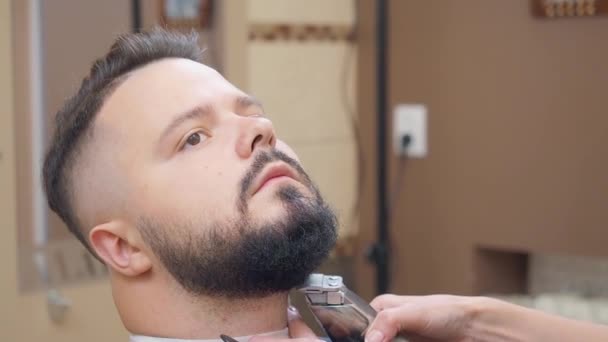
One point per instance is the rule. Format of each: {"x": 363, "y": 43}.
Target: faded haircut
{"x": 74, "y": 121}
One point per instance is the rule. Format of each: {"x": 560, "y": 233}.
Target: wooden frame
{"x": 569, "y": 8}
{"x": 186, "y": 14}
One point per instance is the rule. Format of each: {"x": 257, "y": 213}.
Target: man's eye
{"x": 194, "y": 139}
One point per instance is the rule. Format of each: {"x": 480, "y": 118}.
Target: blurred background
{"x": 501, "y": 191}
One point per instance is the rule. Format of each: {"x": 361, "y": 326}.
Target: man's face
{"x": 221, "y": 202}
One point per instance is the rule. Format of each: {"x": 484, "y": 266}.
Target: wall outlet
{"x": 410, "y": 119}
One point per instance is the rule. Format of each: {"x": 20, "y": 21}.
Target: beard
{"x": 246, "y": 259}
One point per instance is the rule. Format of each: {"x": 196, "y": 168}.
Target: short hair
{"x": 74, "y": 120}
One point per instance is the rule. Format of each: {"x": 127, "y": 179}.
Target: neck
{"x": 172, "y": 313}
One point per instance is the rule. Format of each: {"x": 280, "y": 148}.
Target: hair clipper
{"x": 343, "y": 314}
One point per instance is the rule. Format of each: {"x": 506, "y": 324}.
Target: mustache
{"x": 262, "y": 159}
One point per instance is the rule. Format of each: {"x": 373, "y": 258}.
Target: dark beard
{"x": 239, "y": 260}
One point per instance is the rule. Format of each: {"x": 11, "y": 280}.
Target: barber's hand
{"x": 298, "y": 330}
{"x": 421, "y": 318}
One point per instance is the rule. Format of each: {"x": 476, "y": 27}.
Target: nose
{"x": 256, "y": 132}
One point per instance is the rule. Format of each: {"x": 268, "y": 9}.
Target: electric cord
{"x": 345, "y": 79}
{"x": 379, "y": 251}
{"x": 355, "y": 130}
{"x": 406, "y": 141}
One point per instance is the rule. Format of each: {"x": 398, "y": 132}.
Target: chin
{"x": 275, "y": 205}
{"x": 270, "y": 215}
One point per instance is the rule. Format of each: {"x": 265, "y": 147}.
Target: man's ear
{"x": 119, "y": 249}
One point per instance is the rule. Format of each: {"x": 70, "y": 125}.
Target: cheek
{"x": 283, "y": 147}
{"x": 190, "y": 191}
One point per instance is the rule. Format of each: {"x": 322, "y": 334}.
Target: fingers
{"x": 392, "y": 321}
{"x": 387, "y": 301}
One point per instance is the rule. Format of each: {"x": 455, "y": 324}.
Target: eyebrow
{"x": 195, "y": 113}
{"x": 246, "y": 101}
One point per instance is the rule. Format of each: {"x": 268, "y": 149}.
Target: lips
{"x": 273, "y": 172}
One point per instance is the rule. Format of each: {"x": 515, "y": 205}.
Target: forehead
{"x": 153, "y": 94}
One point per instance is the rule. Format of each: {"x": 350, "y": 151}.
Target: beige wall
{"x": 8, "y": 210}
{"x": 310, "y": 11}
{"x": 517, "y": 138}
{"x": 302, "y": 86}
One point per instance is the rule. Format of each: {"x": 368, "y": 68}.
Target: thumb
{"x": 297, "y": 327}
{"x": 390, "y": 322}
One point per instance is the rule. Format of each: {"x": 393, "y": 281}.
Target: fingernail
{"x": 292, "y": 313}
{"x": 374, "y": 336}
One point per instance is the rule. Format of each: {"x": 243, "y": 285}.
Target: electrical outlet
{"x": 410, "y": 119}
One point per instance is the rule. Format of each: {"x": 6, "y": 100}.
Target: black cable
{"x": 399, "y": 175}
{"x": 135, "y": 16}
{"x": 381, "y": 249}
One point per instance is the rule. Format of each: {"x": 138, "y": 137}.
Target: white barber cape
{"x": 140, "y": 338}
